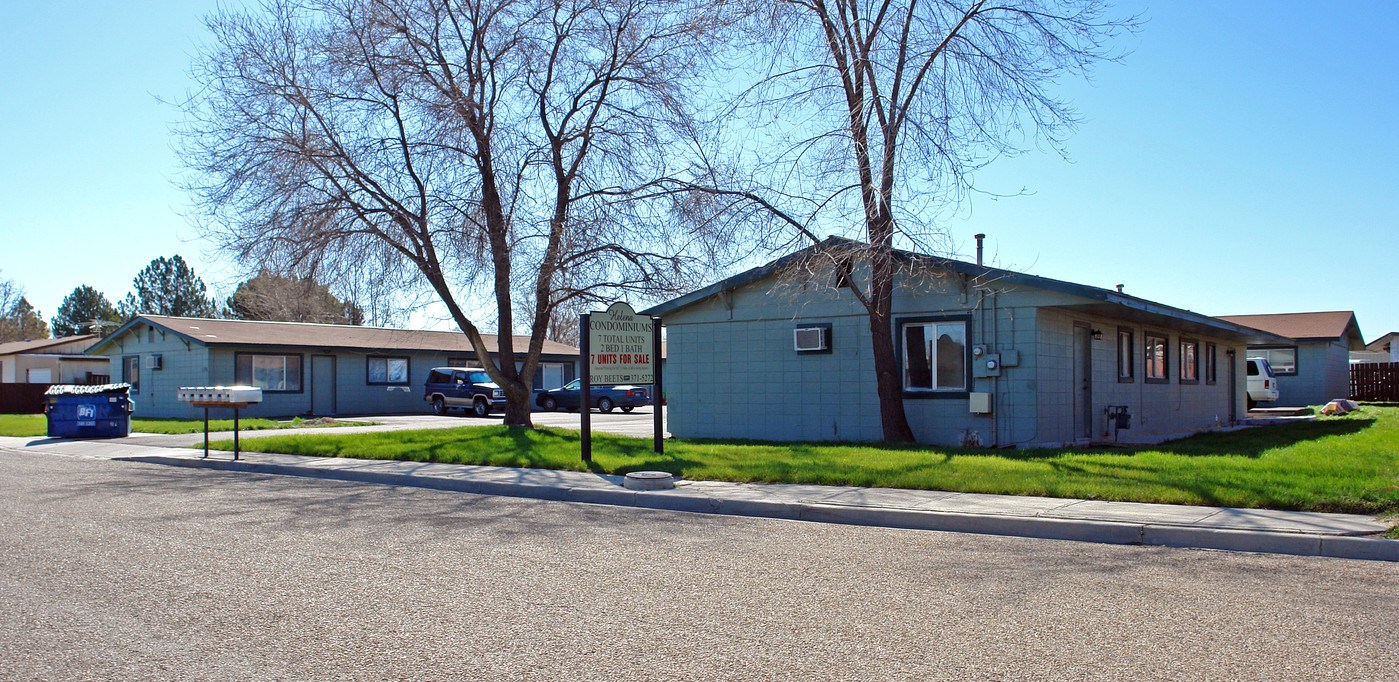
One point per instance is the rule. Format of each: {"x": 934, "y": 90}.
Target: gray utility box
{"x": 89, "y": 411}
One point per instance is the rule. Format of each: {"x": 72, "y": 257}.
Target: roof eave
{"x": 1204, "y": 322}
{"x": 734, "y": 282}
{"x": 111, "y": 338}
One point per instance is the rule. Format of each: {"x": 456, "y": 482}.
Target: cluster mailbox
{"x": 220, "y": 396}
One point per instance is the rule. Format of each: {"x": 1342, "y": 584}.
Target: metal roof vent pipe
{"x": 1119, "y": 288}
{"x": 979, "y": 237}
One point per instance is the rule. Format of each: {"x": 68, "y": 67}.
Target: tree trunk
{"x": 886, "y": 367}
{"x": 517, "y": 405}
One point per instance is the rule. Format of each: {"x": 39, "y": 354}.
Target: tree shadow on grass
{"x": 1134, "y": 481}
{"x": 1254, "y": 442}
{"x": 1250, "y": 443}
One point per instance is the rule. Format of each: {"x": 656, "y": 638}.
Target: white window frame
{"x": 396, "y": 370}
{"x": 131, "y": 371}
{"x": 1269, "y": 354}
{"x": 933, "y": 330}
{"x": 268, "y": 362}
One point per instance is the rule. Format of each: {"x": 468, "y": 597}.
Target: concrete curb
{"x": 679, "y": 499}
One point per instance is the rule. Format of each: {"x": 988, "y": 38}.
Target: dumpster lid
{"x": 75, "y": 389}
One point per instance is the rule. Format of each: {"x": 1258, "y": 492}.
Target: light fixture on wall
{"x": 1097, "y": 334}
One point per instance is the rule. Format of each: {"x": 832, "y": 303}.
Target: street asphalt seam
{"x": 1106, "y": 532}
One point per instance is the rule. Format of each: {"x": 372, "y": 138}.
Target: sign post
{"x": 618, "y": 347}
{"x": 585, "y": 399}
{"x": 657, "y": 404}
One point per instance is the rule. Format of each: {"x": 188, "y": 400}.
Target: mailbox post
{"x": 236, "y": 397}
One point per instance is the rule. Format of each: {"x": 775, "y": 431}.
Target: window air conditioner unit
{"x": 153, "y": 362}
{"x": 807, "y": 339}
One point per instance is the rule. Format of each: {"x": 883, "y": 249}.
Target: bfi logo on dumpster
{"x": 619, "y": 347}
{"x": 86, "y": 411}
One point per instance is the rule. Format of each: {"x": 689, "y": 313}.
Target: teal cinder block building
{"x": 1313, "y": 366}
{"x": 987, "y": 356}
{"x": 302, "y": 369}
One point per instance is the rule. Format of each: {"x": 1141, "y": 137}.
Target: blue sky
{"x": 1241, "y": 159}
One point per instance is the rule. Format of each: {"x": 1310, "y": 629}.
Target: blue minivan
{"x": 464, "y": 388}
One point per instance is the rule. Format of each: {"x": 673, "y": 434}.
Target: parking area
{"x": 639, "y": 423}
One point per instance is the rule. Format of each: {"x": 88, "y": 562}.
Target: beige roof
{"x": 1382, "y": 343}
{"x": 36, "y": 345}
{"x": 212, "y": 332}
{"x": 1324, "y": 325}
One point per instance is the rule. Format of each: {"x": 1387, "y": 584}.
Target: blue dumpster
{"x": 89, "y": 411}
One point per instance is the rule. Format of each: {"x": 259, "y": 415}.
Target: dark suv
{"x": 468, "y": 388}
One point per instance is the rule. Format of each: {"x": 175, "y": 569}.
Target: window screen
{"x": 275, "y": 373}
{"x": 935, "y": 356}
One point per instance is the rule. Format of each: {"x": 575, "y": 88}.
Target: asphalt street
{"x": 122, "y": 570}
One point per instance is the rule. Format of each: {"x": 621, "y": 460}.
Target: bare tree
{"x": 473, "y": 148}
{"x": 19, "y": 321}
{"x": 10, "y": 294}
{"x": 870, "y": 120}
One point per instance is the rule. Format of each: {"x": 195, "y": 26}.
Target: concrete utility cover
{"x": 649, "y": 480}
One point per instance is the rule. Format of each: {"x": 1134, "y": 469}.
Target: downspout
{"x": 996, "y": 404}
{"x": 994, "y": 344}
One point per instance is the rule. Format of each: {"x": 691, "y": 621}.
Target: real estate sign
{"x": 620, "y": 346}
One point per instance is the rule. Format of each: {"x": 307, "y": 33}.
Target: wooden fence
{"x": 22, "y": 398}
{"x": 1377, "y": 381}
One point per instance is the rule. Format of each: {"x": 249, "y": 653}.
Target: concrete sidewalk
{"x": 1251, "y": 530}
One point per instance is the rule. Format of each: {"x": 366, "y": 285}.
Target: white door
{"x": 553, "y": 375}
{"x": 323, "y": 385}
{"x": 1083, "y": 381}
{"x": 40, "y": 376}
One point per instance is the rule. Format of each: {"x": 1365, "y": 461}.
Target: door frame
{"x": 334, "y": 403}
{"x": 1234, "y": 385}
{"x": 1082, "y": 363}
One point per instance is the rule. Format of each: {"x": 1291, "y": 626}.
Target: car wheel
{"x": 604, "y": 404}
{"x": 550, "y": 404}
{"x": 481, "y": 408}
{"x": 628, "y": 408}
{"x": 1252, "y": 403}
{"x": 438, "y": 406}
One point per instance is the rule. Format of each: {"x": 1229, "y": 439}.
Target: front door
{"x": 551, "y": 375}
{"x": 1233, "y": 387}
{"x": 323, "y": 385}
{"x": 1083, "y": 381}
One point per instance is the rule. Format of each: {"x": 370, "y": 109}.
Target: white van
{"x": 1262, "y": 383}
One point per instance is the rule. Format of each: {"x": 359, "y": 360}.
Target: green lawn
{"x": 23, "y": 425}
{"x": 37, "y": 425}
{"x": 1338, "y": 464}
